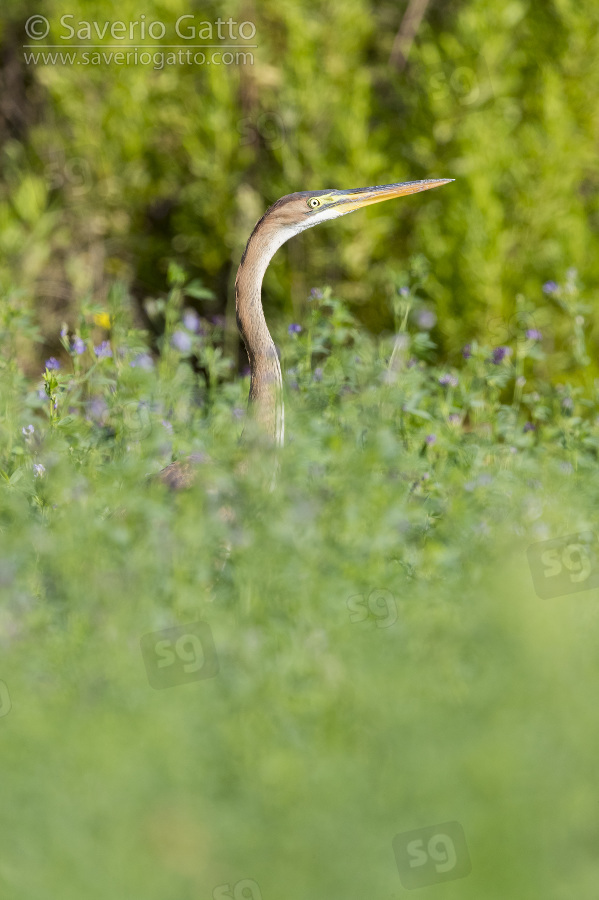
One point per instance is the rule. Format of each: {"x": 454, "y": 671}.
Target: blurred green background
{"x": 127, "y": 195}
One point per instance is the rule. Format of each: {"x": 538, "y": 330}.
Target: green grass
{"x": 459, "y": 696}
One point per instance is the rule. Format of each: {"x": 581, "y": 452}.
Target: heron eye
{"x": 313, "y": 202}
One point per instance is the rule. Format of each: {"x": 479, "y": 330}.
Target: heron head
{"x": 304, "y": 209}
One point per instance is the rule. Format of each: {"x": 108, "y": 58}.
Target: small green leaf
{"x": 419, "y": 413}
{"x": 176, "y": 274}
{"x": 196, "y": 290}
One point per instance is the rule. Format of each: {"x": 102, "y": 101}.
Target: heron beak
{"x": 356, "y": 199}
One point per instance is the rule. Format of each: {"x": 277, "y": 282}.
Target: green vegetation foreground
{"x": 374, "y": 657}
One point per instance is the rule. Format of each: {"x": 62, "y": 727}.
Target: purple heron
{"x": 287, "y": 217}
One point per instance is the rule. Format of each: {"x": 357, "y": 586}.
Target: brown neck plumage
{"x": 266, "y": 387}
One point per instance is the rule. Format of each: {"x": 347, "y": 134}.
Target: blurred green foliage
{"x": 384, "y": 662}
{"x": 113, "y": 171}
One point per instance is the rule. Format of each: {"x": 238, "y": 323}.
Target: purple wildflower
{"x": 52, "y": 363}
{"x": 191, "y": 320}
{"x": 78, "y": 346}
{"x": 500, "y": 353}
{"x": 181, "y": 341}
{"x": 448, "y": 380}
{"x": 483, "y": 480}
{"x": 404, "y": 291}
{"x": 167, "y": 426}
{"x": 103, "y": 350}
{"x": 294, "y": 328}
{"x": 431, "y": 439}
{"x": 426, "y": 319}
{"x": 97, "y": 408}
{"x": 316, "y": 294}
{"x": 38, "y": 470}
{"x": 533, "y": 334}
{"x": 218, "y": 320}
{"x": 454, "y": 419}
{"x": 27, "y": 430}
{"x": 529, "y": 427}
{"x": 467, "y": 351}
{"x": 142, "y": 361}
{"x": 550, "y": 287}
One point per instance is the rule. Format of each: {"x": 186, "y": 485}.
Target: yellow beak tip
{"x": 367, "y": 196}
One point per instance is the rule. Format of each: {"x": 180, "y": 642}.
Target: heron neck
{"x": 266, "y": 387}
